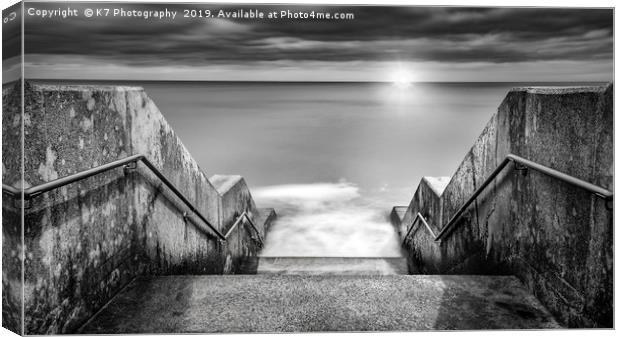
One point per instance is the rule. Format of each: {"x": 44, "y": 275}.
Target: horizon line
{"x": 300, "y": 82}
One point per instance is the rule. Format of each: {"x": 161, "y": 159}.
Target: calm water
{"x": 331, "y": 158}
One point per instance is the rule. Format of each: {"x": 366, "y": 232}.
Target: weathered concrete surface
{"x": 428, "y": 202}
{"x": 292, "y": 303}
{"x": 11, "y": 213}
{"x": 396, "y": 218}
{"x": 87, "y": 240}
{"x": 332, "y": 265}
{"x": 437, "y": 184}
{"x": 235, "y": 198}
{"x": 555, "y": 237}
{"x": 266, "y": 217}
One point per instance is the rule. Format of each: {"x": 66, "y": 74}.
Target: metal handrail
{"x": 10, "y": 190}
{"x": 244, "y": 214}
{"x": 34, "y": 191}
{"x": 596, "y": 190}
{"x": 421, "y": 217}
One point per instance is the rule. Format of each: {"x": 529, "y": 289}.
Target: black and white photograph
{"x": 236, "y": 168}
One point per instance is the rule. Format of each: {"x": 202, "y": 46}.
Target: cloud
{"x": 457, "y": 35}
{"x": 93, "y": 68}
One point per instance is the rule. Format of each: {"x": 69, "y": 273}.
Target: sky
{"x": 397, "y": 43}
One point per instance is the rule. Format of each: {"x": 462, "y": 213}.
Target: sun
{"x": 401, "y": 78}
{"x": 402, "y": 81}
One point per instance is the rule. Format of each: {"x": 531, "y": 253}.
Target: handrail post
{"x": 130, "y": 167}
{"x": 521, "y": 168}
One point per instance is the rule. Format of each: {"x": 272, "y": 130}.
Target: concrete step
{"x": 294, "y": 303}
{"x": 331, "y": 265}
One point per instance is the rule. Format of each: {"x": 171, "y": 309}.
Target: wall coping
{"x": 223, "y": 183}
{"x": 81, "y": 87}
{"x": 550, "y": 90}
{"x": 437, "y": 184}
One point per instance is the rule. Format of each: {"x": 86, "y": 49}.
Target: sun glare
{"x": 401, "y": 78}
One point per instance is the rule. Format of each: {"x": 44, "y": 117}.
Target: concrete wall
{"x": 236, "y": 199}
{"x": 558, "y": 239}
{"x": 267, "y": 217}
{"x": 11, "y": 212}
{"x": 86, "y": 241}
{"x": 428, "y": 202}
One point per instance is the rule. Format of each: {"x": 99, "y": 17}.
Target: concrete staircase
{"x": 296, "y": 303}
{"x": 326, "y": 265}
{"x": 305, "y": 294}
{"x": 301, "y": 294}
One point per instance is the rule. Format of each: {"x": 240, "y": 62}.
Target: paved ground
{"x": 294, "y": 303}
{"x": 332, "y": 266}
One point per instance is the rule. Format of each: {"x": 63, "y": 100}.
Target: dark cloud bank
{"x": 456, "y": 35}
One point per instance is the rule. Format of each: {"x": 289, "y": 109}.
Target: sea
{"x": 331, "y": 158}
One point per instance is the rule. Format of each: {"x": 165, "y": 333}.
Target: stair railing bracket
{"x": 130, "y": 167}
{"x": 17, "y": 203}
{"x": 522, "y": 168}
